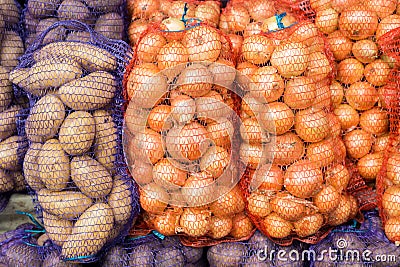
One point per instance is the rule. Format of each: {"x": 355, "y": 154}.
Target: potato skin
{"x": 53, "y": 165}
{"x": 41, "y": 9}
{"x": 12, "y": 151}
{"x": 91, "y": 177}
{"x": 57, "y": 229}
{"x": 8, "y": 121}
{"x": 73, "y": 10}
{"x": 10, "y": 12}
{"x": 31, "y": 168}
{"x": 104, "y": 5}
{"x": 6, "y": 182}
{"x": 90, "y": 232}
{"x": 77, "y": 132}
{"x": 12, "y": 48}
{"x": 44, "y": 119}
{"x": 66, "y": 205}
{"x": 78, "y": 36}
{"x": 18, "y": 180}
{"x": 93, "y": 91}
{"x": 21, "y": 254}
{"x": 57, "y": 34}
{"x": 111, "y": 25}
{"x": 6, "y": 90}
{"x": 120, "y": 200}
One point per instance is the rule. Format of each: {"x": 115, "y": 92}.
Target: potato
{"x": 73, "y": 10}
{"x": 77, "y": 132}
{"x": 30, "y": 167}
{"x": 66, "y": 205}
{"x": 226, "y": 254}
{"x": 91, "y": 58}
{"x": 6, "y": 182}
{"x": 6, "y": 90}
{"x": 42, "y": 8}
{"x": 90, "y": 232}
{"x": 93, "y": 91}
{"x": 19, "y": 181}
{"x": 57, "y": 229}
{"x": 53, "y": 260}
{"x": 116, "y": 256}
{"x": 192, "y": 254}
{"x": 19, "y": 77}
{"x": 30, "y": 22}
{"x": 44, "y": 119}
{"x": 12, "y": 48}
{"x": 171, "y": 256}
{"x": 8, "y": 121}
{"x": 106, "y": 142}
{"x": 50, "y": 73}
{"x": 121, "y": 201}
{"x": 57, "y": 34}
{"x": 21, "y": 254}
{"x": 104, "y": 5}
{"x": 2, "y": 25}
{"x": 9, "y": 10}
{"x": 111, "y": 25}
{"x": 91, "y": 177}
{"x": 78, "y": 36}
{"x": 141, "y": 256}
{"x": 53, "y": 165}
{"x": 12, "y": 152}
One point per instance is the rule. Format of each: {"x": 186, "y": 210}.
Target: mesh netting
{"x": 74, "y": 165}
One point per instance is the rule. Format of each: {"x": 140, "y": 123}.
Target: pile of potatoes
{"x": 103, "y": 16}
{"x": 71, "y": 162}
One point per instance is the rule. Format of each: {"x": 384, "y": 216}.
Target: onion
{"x": 165, "y": 5}
{"x": 214, "y": 161}
{"x": 308, "y": 225}
{"x": 195, "y": 80}
{"x": 381, "y": 143}
{"x": 241, "y": 226}
{"x": 383, "y": 8}
{"x": 195, "y": 222}
{"x": 318, "y": 67}
{"x": 135, "y": 30}
{"x": 290, "y": 58}
{"x": 338, "y": 176}
{"x": 300, "y": 93}
{"x": 370, "y": 165}
{"x": 269, "y": 178}
{"x": 387, "y": 24}
{"x": 149, "y": 46}
{"x": 337, "y": 93}
{"x": 392, "y": 229}
{"x": 391, "y": 61}
{"x": 158, "y": 119}
{"x": 321, "y": 153}
{"x": 267, "y": 85}
{"x": 187, "y": 142}
{"x": 183, "y": 109}
{"x": 260, "y": 9}
{"x": 147, "y": 146}
{"x": 168, "y": 175}
{"x": 311, "y": 124}
{"x": 287, "y": 149}
{"x": 237, "y": 18}
{"x": 391, "y": 201}
{"x": 287, "y": 206}
{"x": 361, "y": 96}
{"x": 220, "y": 227}
{"x": 252, "y": 132}
{"x": 244, "y": 71}
{"x": 158, "y": 17}
{"x": 387, "y": 95}
{"x": 172, "y": 58}
{"x": 221, "y": 132}
{"x": 203, "y": 43}
{"x": 251, "y": 106}
{"x": 327, "y": 20}
{"x": 142, "y": 172}
{"x": 199, "y": 189}
{"x": 303, "y": 178}
{"x": 277, "y": 227}
{"x": 153, "y": 198}
{"x": 319, "y": 5}
{"x": 278, "y": 118}
{"x": 377, "y": 72}
{"x": 144, "y": 8}
{"x": 252, "y": 154}
{"x": 365, "y": 51}
{"x": 176, "y": 9}
{"x": 340, "y": 150}
{"x": 173, "y": 28}
{"x": 207, "y": 13}
{"x": 334, "y": 125}
{"x": 258, "y": 204}
{"x": 342, "y": 213}
{"x": 257, "y": 49}
{"x": 166, "y": 223}
{"x": 136, "y": 118}
{"x": 307, "y": 33}
{"x": 230, "y": 203}
{"x": 323, "y": 99}
{"x": 358, "y": 143}
{"x": 236, "y": 41}
{"x": 358, "y": 22}
{"x": 327, "y": 200}
{"x": 374, "y": 121}
{"x": 253, "y": 28}
{"x": 340, "y": 45}
{"x": 350, "y": 71}
{"x": 347, "y": 115}
{"x": 393, "y": 168}
{"x": 147, "y": 84}
{"x": 224, "y": 72}
{"x": 341, "y": 5}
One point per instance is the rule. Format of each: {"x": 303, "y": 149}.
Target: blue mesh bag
{"x": 74, "y": 166}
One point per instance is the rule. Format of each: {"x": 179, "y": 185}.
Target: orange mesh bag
{"x": 180, "y": 138}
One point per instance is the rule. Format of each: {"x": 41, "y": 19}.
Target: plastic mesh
{"x": 74, "y": 165}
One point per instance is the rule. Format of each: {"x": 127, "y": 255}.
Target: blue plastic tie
{"x": 78, "y": 258}
{"x": 185, "y": 10}
{"x": 157, "y": 234}
{"x": 30, "y": 217}
{"x": 279, "y": 18}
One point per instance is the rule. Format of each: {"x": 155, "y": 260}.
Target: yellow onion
{"x": 287, "y": 149}
{"x": 342, "y": 213}
{"x": 278, "y": 118}
{"x": 287, "y": 206}
{"x": 224, "y": 72}
{"x": 323, "y": 99}
{"x": 244, "y": 71}
{"x": 172, "y": 58}
{"x": 158, "y": 17}
{"x": 230, "y": 203}
{"x": 195, "y": 222}
{"x": 176, "y": 9}
{"x": 392, "y": 229}
{"x": 308, "y": 225}
{"x": 321, "y": 153}
{"x": 135, "y": 30}
{"x": 347, "y": 116}
{"x": 147, "y": 146}
{"x": 337, "y": 176}
{"x": 350, "y": 71}
{"x": 215, "y": 160}
{"x": 276, "y": 226}
{"x": 387, "y": 95}
{"x": 203, "y": 43}
{"x": 168, "y": 175}
{"x": 260, "y": 9}
{"x": 149, "y": 46}
{"x": 220, "y": 227}
{"x": 374, "y": 121}
{"x": 383, "y": 8}
{"x": 195, "y": 80}
{"x": 252, "y": 132}
{"x": 142, "y": 172}
{"x": 387, "y": 24}
{"x": 334, "y": 124}
{"x": 236, "y": 41}
{"x": 307, "y": 33}
{"x": 318, "y": 67}
{"x": 290, "y": 58}
{"x": 258, "y": 204}
{"x": 166, "y": 223}
{"x": 377, "y": 72}
{"x": 339, "y": 44}
{"x": 207, "y": 13}
{"x": 183, "y": 109}
{"x": 327, "y": 20}
{"x": 212, "y": 108}
{"x": 327, "y": 199}
{"x": 136, "y": 118}
{"x": 252, "y": 154}
{"x": 257, "y": 49}
{"x": 391, "y": 61}
{"x": 393, "y": 168}
{"x": 354, "y": 206}
{"x": 173, "y": 28}
{"x": 358, "y": 143}
{"x": 158, "y": 119}
{"x": 381, "y": 143}
{"x": 358, "y": 22}
{"x": 223, "y": 23}
{"x": 370, "y": 165}
{"x": 153, "y": 198}
{"x": 340, "y": 150}
{"x": 253, "y": 28}
{"x": 311, "y": 124}
{"x": 318, "y": 5}
{"x": 340, "y": 5}
{"x": 251, "y": 106}
{"x": 303, "y": 179}
{"x": 144, "y": 8}
{"x": 237, "y": 18}
{"x": 266, "y": 84}
{"x": 337, "y": 93}
{"x": 391, "y": 201}
{"x": 300, "y": 93}
{"x": 221, "y": 132}
{"x": 199, "y": 189}
{"x": 365, "y": 51}
{"x": 269, "y": 178}
{"x": 361, "y": 95}
{"x": 241, "y": 226}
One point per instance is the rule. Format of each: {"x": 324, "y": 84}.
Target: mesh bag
{"x": 74, "y": 165}
{"x": 105, "y": 17}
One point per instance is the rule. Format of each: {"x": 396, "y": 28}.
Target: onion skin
{"x": 166, "y": 174}
{"x": 220, "y": 227}
{"x": 358, "y": 22}
{"x": 334, "y": 125}
{"x": 340, "y": 45}
{"x": 153, "y": 198}
{"x": 387, "y": 95}
{"x": 198, "y": 189}
{"x": 381, "y": 143}
{"x": 149, "y": 46}
{"x": 241, "y": 226}
{"x": 207, "y": 13}
{"x": 215, "y": 161}
{"x": 387, "y": 24}
{"x": 361, "y": 96}
{"x": 311, "y": 124}
{"x": 375, "y": 121}
{"x": 365, "y": 51}
{"x": 327, "y": 20}
{"x": 318, "y": 5}
{"x": 288, "y": 207}
{"x": 158, "y": 119}
{"x": 237, "y": 18}
{"x": 337, "y": 176}
{"x": 135, "y": 29}
{"x": 327, "y": 200}
{"x": 144, "y": 8}
{"x": 147, "y": 146}
{"x": 271, "y": 178}
{"x": 383, "y": 8}
{"x": 350, "y": 71}
{"x": 237, "y": 42}
{"x": 252, "y": 132}
{"x": 195, "y": 222}
{"x": 322, "y": 153}
{"x": 221, "y": 133}
{"x": 258, "y": 204}
{"x": 377, "y": 72}
{"x": 348, "y": 116}
{"x": 287, "y": 149}
{"x": 300, "y": 93}
{"x": 253, "y": 28}
{"x": 244, "y": 71}
{"x": 370, "y": 165}
{"x": 392, "y": 229}
{"x": 166, "y": 223}
{"x": 257, "y": 49}
{"x": 142, "y": 172}
{"x": 195, "y": 80}
{"x": 391, "y": 201}
{"x": 342, "y": 213}
{"x": 318, "y": 67}
{"x": 308, "y": 225}
{"x": 276, "y": 226}
{"x": 267, "y": 85}
{"x": 183, "y": 109}
{"x": 358, "y": 143}
{"x": 278, "y": 118}
{"x": 260, "y": 10}
{"x": 253, "y": 155}
{"x": 228, "y": 204}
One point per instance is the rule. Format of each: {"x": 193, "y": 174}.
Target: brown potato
{"x": 12, "y": 151}
{"x": 8, "y": 121}
{"x": 30, "y": 167}
{"x": 6, "y": 182}
{"x": 6, "y": 90}
{"x": 120, "y": 200}
{"x": 57, "y": 229}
